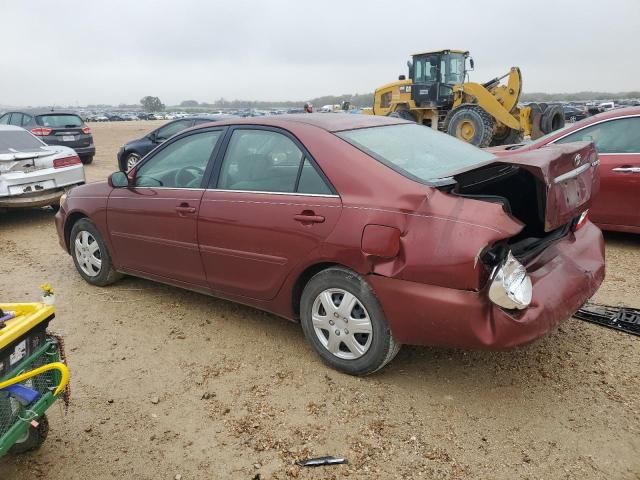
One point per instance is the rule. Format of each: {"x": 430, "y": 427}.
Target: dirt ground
{"x": 171, "y": 384}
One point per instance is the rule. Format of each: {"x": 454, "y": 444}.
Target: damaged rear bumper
{"x": 564, "y": 276}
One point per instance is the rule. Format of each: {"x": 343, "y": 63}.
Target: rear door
{"x": 267, "y": 210}
{"x": 618, "y": 144}
{"x": 153, "y": 225}
{"x": 63, "y": 129}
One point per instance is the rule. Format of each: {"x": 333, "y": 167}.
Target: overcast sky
{"x": 68, "y": 53}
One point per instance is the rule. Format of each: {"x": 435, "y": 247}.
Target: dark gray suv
{"x": 56, "y": 128}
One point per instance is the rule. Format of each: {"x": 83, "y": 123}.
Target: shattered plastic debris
{"x": 322, "y": 461}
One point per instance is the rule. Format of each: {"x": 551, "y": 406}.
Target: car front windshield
{"x": 416, "y": 151}
{"x": 15, "y": 141}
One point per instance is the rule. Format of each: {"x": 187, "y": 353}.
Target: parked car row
{"x": 55, "y": 128}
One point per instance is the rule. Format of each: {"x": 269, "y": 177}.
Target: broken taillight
{"x": 582, "y": 221}
{"x": 86, "y": 130}
{"x": 41, "y": 131}
{"x": 66, "y": 161}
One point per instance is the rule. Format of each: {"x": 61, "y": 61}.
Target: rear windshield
{"x": 18, "y": 141}
{"x": 58, "y": 120}
{"x": 416, "y": 151}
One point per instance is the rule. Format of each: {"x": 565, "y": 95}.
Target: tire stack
{"x": 545, "y": 119}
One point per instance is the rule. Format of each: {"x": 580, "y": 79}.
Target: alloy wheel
{"x": 132, "y": 160}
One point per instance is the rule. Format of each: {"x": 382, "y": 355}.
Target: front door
{"x": 153, "y": 224}
{"x": 268, "y": 209}
{"x": 618, "y": 145}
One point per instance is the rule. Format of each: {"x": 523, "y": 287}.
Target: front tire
{"x": 472, "y": 124}
{"x": 90, "y": 254}
{"x": 131, "y": 161}
{"x": 343, "y": 321}
{"x": 34, "y": 438}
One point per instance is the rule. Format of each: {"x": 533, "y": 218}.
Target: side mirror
{"x": 118, "y": 180}
{"x": 471, "y": 62}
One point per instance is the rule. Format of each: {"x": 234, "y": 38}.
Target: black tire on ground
{"x": 35, "y": 437}
{"x": 86, "y": 159}
{"x": 552, "y": 119}
{"x": 509, "y": 136}
{"x": 106, "y": 274}
{"x": 403, "y": 114}
{"x": 483, "y": 124}
{"x": 543, "y": 106}
{"x": 382, "y": 347}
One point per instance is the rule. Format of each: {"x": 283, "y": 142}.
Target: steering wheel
{"x": 189, "y": 177}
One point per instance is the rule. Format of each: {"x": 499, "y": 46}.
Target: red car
{"x": 616, "y": 135}
{"x": 370, "y": 231}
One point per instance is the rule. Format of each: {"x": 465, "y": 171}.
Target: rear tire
{"x": 86, "y": 160}
{"x": 90, "y": 254}
{"x": 34, "y": 438}
{"x": 326, "y": 321}
{"x": 470, "y": 123}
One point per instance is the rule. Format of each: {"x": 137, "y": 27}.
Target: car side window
{"x": 311, "y": 181}
{"x": 613, "y": 136}
{"x": 260, "y": 161}
{"x": 4, "y": 119}
{"x": 181, "y": 164}
{"x": 26, "y": 119}
{"x": 170, "y": 130}
{"x": 16, "y": 119}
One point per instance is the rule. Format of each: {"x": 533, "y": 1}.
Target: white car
{"x": 32, "y": 173}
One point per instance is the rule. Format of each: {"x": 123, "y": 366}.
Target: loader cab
{"x": 433, "y": 76}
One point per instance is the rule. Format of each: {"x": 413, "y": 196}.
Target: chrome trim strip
{"x": 134, "y": 187}
{"x": 572, "y": 174}
{"x": 295, "y": 194}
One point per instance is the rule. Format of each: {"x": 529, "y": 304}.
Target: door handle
{"x": 626, "y": 169}
{"x": 185, "y": 208}
{"x": 308, "y": 217}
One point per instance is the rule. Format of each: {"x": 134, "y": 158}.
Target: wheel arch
{"x": 70, "y": 221}
{"x": 304, "y": 277}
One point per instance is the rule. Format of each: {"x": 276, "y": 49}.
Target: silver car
{"x": 32, "y": 173}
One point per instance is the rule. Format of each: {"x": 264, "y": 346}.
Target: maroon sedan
{"x": 370, "y": 231}
{"x": 616, "y": 135}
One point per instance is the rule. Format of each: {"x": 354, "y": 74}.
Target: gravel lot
{"x": 167, "y": 382}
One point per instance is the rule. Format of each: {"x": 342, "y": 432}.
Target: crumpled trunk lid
{"x": 570, "y": 176}
{"x": 25, "y": 161}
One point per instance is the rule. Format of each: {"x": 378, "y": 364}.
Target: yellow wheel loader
{"x": 438, "y": 94}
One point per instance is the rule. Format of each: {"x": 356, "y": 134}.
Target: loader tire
{"x": 508, "y": 137}
{"x": 471, "y": 123}
{"x": 552, "y": 119}
{"x": 403, "y": 114}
